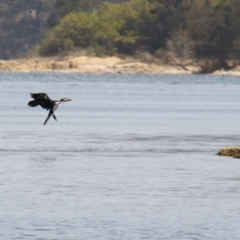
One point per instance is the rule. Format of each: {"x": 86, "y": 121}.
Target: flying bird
{"x": 45, "y": 102}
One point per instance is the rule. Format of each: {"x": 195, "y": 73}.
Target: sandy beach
{"x": 86, "y": 64}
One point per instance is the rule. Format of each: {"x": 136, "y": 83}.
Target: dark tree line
{"x": 186, "y": 28}
{"x": 24, "y": 23}
{"x": 21, "y": 25}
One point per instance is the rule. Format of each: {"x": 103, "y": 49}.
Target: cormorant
{"x": 45, "y": 102}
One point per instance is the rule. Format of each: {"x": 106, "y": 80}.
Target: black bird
{"x": 45, "y": 102}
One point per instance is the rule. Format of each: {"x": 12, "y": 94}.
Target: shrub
{"x": 112, "y": 28}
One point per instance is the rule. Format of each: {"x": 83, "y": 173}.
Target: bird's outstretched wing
{"x": 39, "y": 96}
{"x": 49, "y": 115}
{"x": 41, "y": 99}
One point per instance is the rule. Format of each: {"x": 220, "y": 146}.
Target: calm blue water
{"x": 131, "y": 157}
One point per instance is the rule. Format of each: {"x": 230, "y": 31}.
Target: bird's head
{"x": 65, "y": 100}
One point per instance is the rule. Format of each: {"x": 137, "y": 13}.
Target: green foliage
{"x": 213, "y": 25}
{"x": 112, "y": 28}
{"x": 186, "y": 28}
{"x": 69, "y": 6}
{"x": 75, "y": 30}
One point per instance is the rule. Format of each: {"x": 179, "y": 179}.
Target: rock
{"x": 232, "y": 151}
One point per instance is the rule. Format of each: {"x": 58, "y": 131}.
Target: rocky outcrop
{"x": 232, "y": 151}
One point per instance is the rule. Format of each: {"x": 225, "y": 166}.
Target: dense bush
{"x": 214, "y": 27}
{"x": 184, "y": 28}
{"x": 112, "y": 28}
{"x": 75, "y": 30}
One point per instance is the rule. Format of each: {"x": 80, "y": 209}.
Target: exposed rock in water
{"x": 232, "y": 151}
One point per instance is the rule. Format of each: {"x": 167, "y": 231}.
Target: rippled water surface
{"x": 131, "y": 157}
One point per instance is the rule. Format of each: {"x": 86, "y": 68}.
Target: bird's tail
{"x": 54, "y": 116}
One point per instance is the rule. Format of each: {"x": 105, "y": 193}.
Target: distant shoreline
{"x": 85, "y": 64}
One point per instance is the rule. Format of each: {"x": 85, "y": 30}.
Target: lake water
{"x": 131, "y": 157}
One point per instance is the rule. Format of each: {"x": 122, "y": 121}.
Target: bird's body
{"x": 45, "y": 102}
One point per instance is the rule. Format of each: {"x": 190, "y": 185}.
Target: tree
{"x": 22, "y": 22}
{"x": 112, "y": 28}
{"x": 213, "y": 25}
